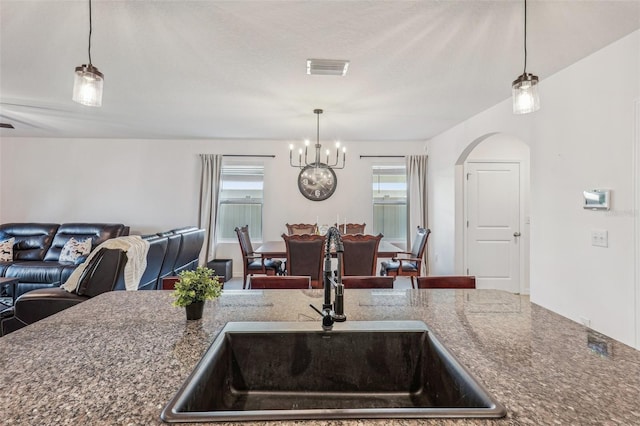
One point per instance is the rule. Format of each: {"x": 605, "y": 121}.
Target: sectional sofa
{"x": 37, "y": 248}
{"x": 169, "y": 253}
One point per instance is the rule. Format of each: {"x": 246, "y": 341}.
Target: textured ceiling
{"x": 236, "y": 69}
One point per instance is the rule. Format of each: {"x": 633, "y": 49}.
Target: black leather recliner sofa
{"x": 169, "y": 253}
{"x": 37, "y": 248}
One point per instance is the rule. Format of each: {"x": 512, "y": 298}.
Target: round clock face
{"x": 317, "y": 183}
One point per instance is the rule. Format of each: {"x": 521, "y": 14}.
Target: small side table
{"x": 11, "y": 282}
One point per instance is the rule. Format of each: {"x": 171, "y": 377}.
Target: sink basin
{"x": 294, "y": 370}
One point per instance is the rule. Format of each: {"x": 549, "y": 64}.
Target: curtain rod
{"x": 382, "y": 156}
{"x": 249, "y": 155}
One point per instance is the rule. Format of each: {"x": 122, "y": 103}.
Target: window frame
{"x": 253, "y": 168}
{"x": 387, "y": 201}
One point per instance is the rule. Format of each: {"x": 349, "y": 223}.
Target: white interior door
{"x": 493, "y": 224}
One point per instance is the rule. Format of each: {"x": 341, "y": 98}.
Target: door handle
{"x": 516, "y": 234}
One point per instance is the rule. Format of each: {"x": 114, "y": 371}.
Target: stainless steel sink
{"x": 294, "y": 370}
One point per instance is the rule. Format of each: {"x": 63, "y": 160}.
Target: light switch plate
{"x": 599, "y": 238}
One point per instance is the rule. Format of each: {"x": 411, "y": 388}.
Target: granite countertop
{"x": 117, "y": 359}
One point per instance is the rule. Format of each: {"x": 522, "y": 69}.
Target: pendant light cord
{"x": 91, "y": 30}
{"x": 318, "y": 129}
{"x": 525, "y": 37}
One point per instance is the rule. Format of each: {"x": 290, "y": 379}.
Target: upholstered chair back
{"x": 274, "y": 282}
{"x": 305, "y": 255}
{"x": 351, "y": 228}
{"x": 302, "y": 228}
{"x": 449, "y": 281}
{"x": 420, "y": 242}
{"x": 367, "y": 282}
{"x": 245, "y": 241}
{"x": 360, "y": 255}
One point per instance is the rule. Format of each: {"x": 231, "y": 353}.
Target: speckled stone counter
{"x": 117, "y": 359}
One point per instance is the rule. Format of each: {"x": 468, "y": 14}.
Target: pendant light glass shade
{"x": 525, "y": 94}
{"x": 87, "y": 86}
{"x": 524, "y": 89}
{"x": 88, "y": 81}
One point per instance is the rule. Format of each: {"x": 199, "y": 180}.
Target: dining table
{"x": 278, "y": 249}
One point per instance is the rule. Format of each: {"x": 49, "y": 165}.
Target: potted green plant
{"x": 194, "y": 288}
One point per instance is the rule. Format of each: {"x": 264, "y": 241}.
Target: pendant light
{"x": 525, "y": 87}
{"x": 88, "y": 81}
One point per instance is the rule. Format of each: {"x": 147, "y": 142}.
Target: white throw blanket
{"x": 136, "y": 249}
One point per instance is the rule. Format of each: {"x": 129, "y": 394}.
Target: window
{"x": 390, "y": 201}
{"x": 240, "y": 200}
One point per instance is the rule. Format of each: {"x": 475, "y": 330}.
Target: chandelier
{"x": 338, "y": 163}
{"x": 525, "y": 87}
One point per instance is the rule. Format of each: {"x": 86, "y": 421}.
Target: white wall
{"x": 581, "y": 138}
{"x": 153, "y": 185}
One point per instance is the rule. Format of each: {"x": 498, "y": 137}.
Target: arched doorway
{"x": 492, "y": 212}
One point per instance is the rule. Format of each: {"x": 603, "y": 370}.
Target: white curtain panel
{"x": 208, "y": 212}
{"x": 417, "y": 200}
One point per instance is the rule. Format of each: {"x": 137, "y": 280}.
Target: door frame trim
{"x": 521, "y": 219}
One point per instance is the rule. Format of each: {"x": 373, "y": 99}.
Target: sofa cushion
{"x": 173, "y": 246}
{"x": 32, "y": 239}
{"x": 190, "y": 246}
{"x": 73, "y": 249}
{"x": 155, "y": 259}
{"x": 6, "y": 250}
{"x": 36, "y": 271}
{"x": 98, "y": 232}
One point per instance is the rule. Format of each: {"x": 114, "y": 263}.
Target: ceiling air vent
{"x": 327, "y": 67}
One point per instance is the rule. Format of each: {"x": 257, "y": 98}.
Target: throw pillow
{"x": 73, "y": 249}
{"x": 6, "y": 250}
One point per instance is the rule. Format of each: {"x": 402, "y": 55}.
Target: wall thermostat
{"x": 596, "y": 199}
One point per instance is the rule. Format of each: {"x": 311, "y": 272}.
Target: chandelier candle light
{"x": 318, "y": 147}
{"x": 88, "y": 81}
{"x": 525, "y": 87}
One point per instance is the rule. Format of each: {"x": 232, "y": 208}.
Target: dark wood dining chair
{"x": 279, "y": 282}
{"x": 408, "y": 263}
{"x": 367, "y": 282}
{"x": 305, "y": 256}
{"x": 351, "y": 228}
{"x": 450, "y": 281}
{"x": 360, "y": 256}
{"x": 254, "y": 263}
{"x": 302, "y": 228}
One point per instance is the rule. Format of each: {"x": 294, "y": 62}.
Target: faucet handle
{"x": 327, "y": 317}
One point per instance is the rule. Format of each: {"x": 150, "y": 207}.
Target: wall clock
{"x": 317, "y": 183}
